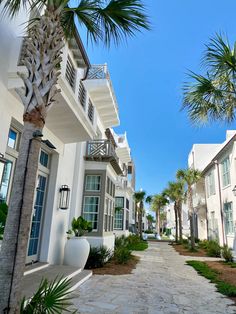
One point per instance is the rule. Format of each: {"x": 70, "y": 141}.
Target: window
{"x": 119, "y": 202}
{"x": 12, "y": 139}
{"x": 127, "y": 220}
{"x": 127, "y": 203}
{"x": 90, "y": 111}
{"x": 93, "y": 183}
{"x": 70, "y": 73}
{"x": 229, "y": 224}
{"x": 4, "y": 188}
{"x": 210, "y": 184}
{"x": 44, "y": 158}
{"x": 82, "y": 95}
{"x": 118, "y": 224}
{"x": 226, "y": 172}
{"x": 90, "y": 210}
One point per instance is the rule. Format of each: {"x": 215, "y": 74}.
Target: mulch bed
{"x": 111, "y": 268}
{"x": 183, "y": 251}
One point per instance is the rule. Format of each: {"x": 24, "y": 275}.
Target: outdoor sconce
{"x": 234, "y": 190}
{"x": 2, "y": 165}
{"x": 64, "y": 197}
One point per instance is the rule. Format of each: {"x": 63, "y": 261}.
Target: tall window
{"x": 226, "y": 172}
{"x": 13, "y": 139}
{"x": 119, "y": 202}
{"x": 229, "y": 224}
{"x": 90, "y": 210}
{"x": 93, "y": 183}
{"x": 210, "y": 183}
{"x": 44, "y": 159}
{"x": 119, "y": 216}
{"x": 5, "y": 184}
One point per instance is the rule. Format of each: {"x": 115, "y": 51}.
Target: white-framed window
{"x": 210, "y": 180}
{"x": 91, "y": 209}
{"x": 119, "y": 202}
{"x": 13, "y": 139}
{"x": 229, "y": 223}
{"x": 119, "y": 217}
{"x": 93, "y": 183}
{"x": 225, "y": 167}
{"x": 44, "y": 159}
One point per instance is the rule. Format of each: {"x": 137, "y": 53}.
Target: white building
{"x": 170, "y": 218}
{"x": 78, "y": 152}
{"x": 216, "y": 194}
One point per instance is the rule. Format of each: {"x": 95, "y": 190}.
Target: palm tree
{"x": 190, "y": 177}
{"x": 213, "y": 96}
{"x": 158, "y": 202}
{"x": 105, "y": 21}
{"x": 150, "y": 220}
{"x": 139, "y": 198}
{"x": 175, "y": 191}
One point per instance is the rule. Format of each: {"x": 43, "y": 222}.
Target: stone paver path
{"x": 162, "y": 283}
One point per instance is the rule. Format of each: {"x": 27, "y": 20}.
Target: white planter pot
{"x": 76, "y": 252}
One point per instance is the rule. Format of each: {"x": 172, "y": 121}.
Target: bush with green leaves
{"x": 3, "y": 217}
{"x": 50, "y": 298}
{"x": 213, "y": 249}
{"x": 98, "y": 256}
{"x": 79, "y": 226}
{"x": 227, "y": 254}
{"x": 120, "y": 241}
{"x": 148, "y": 231}
{"x": 122, "y": 255}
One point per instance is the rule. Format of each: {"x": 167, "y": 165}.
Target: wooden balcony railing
{"x": 103, "y": 150}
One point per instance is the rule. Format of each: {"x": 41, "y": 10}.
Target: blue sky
{"x": 148, "y": 73}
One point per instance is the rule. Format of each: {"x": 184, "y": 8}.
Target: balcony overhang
{"x": 66, "y": 119}
{"x": 124, "y": 154}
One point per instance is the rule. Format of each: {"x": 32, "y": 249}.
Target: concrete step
{"x": 29, "y": 269}
{"x": 32, "y": 280}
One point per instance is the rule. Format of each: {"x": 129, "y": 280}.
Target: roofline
{"x": 212, "y": 162}
{"x": 82, "y": 49}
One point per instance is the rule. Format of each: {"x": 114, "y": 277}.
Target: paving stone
{"x": 161, "y": 283}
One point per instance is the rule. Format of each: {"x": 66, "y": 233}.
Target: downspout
{"x": 221, "y": 207}
{"x": 207, "y": 221}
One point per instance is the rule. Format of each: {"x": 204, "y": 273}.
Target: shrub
{"x": 98, "y": 256}
{"x": 203, "y": 244}
{"x": 120, "y": 241}
{"x": 3, "y": 217}
{"x": 148, "y": 231}
{"x": 227, "y": 254}
{"x": 133, "y": 239}
{"x": 122, "y": 255}
{"x": 213, "y": 249}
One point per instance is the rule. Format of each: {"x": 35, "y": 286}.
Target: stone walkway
{"x": 162, "y": 283}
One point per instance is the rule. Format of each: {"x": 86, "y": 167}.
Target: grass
{"x": 222, "y": 286}
{"x": 231, "y": 264}
{"x": 140, "y": 246}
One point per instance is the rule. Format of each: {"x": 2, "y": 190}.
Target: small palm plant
{"x": 50, "y": 298}
{"x": 79, "y": 226}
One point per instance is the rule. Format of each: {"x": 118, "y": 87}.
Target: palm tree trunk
{"x": 180, "y": 221}
{"x": 135, "y": 219}
{"x": 140, "y": 219}
{"x": 42, "y": 56}
{"x": 176, "y": 222}
{"x": 191, "y": 210}
{"x": 158, "y": 221}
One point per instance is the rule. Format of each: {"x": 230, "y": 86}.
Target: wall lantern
{"x": 64, "y": 197}
{"x": 234, "y": 190}
{"x": 2, "y": 166}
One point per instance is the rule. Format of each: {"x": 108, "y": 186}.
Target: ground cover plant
{"x": 98, "y": 257}
{"x": 216, "y": 274}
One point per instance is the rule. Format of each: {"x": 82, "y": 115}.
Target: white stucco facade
{"x": 71, "y": 123}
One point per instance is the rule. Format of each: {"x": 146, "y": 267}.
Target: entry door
{"x": 34, "y": 240}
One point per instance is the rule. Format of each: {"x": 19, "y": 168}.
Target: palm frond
{"x": 219, "y": 57}
{"x": 209, "y": 100}
{"x": 121, "y": 19}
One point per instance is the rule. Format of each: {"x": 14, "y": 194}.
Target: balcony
{"x": 72, "y": 118}
{"x": 103, "y": 151}
{"x": 100, "y": 89}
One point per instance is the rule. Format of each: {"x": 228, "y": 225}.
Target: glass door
{"x": 34, "y": 240}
